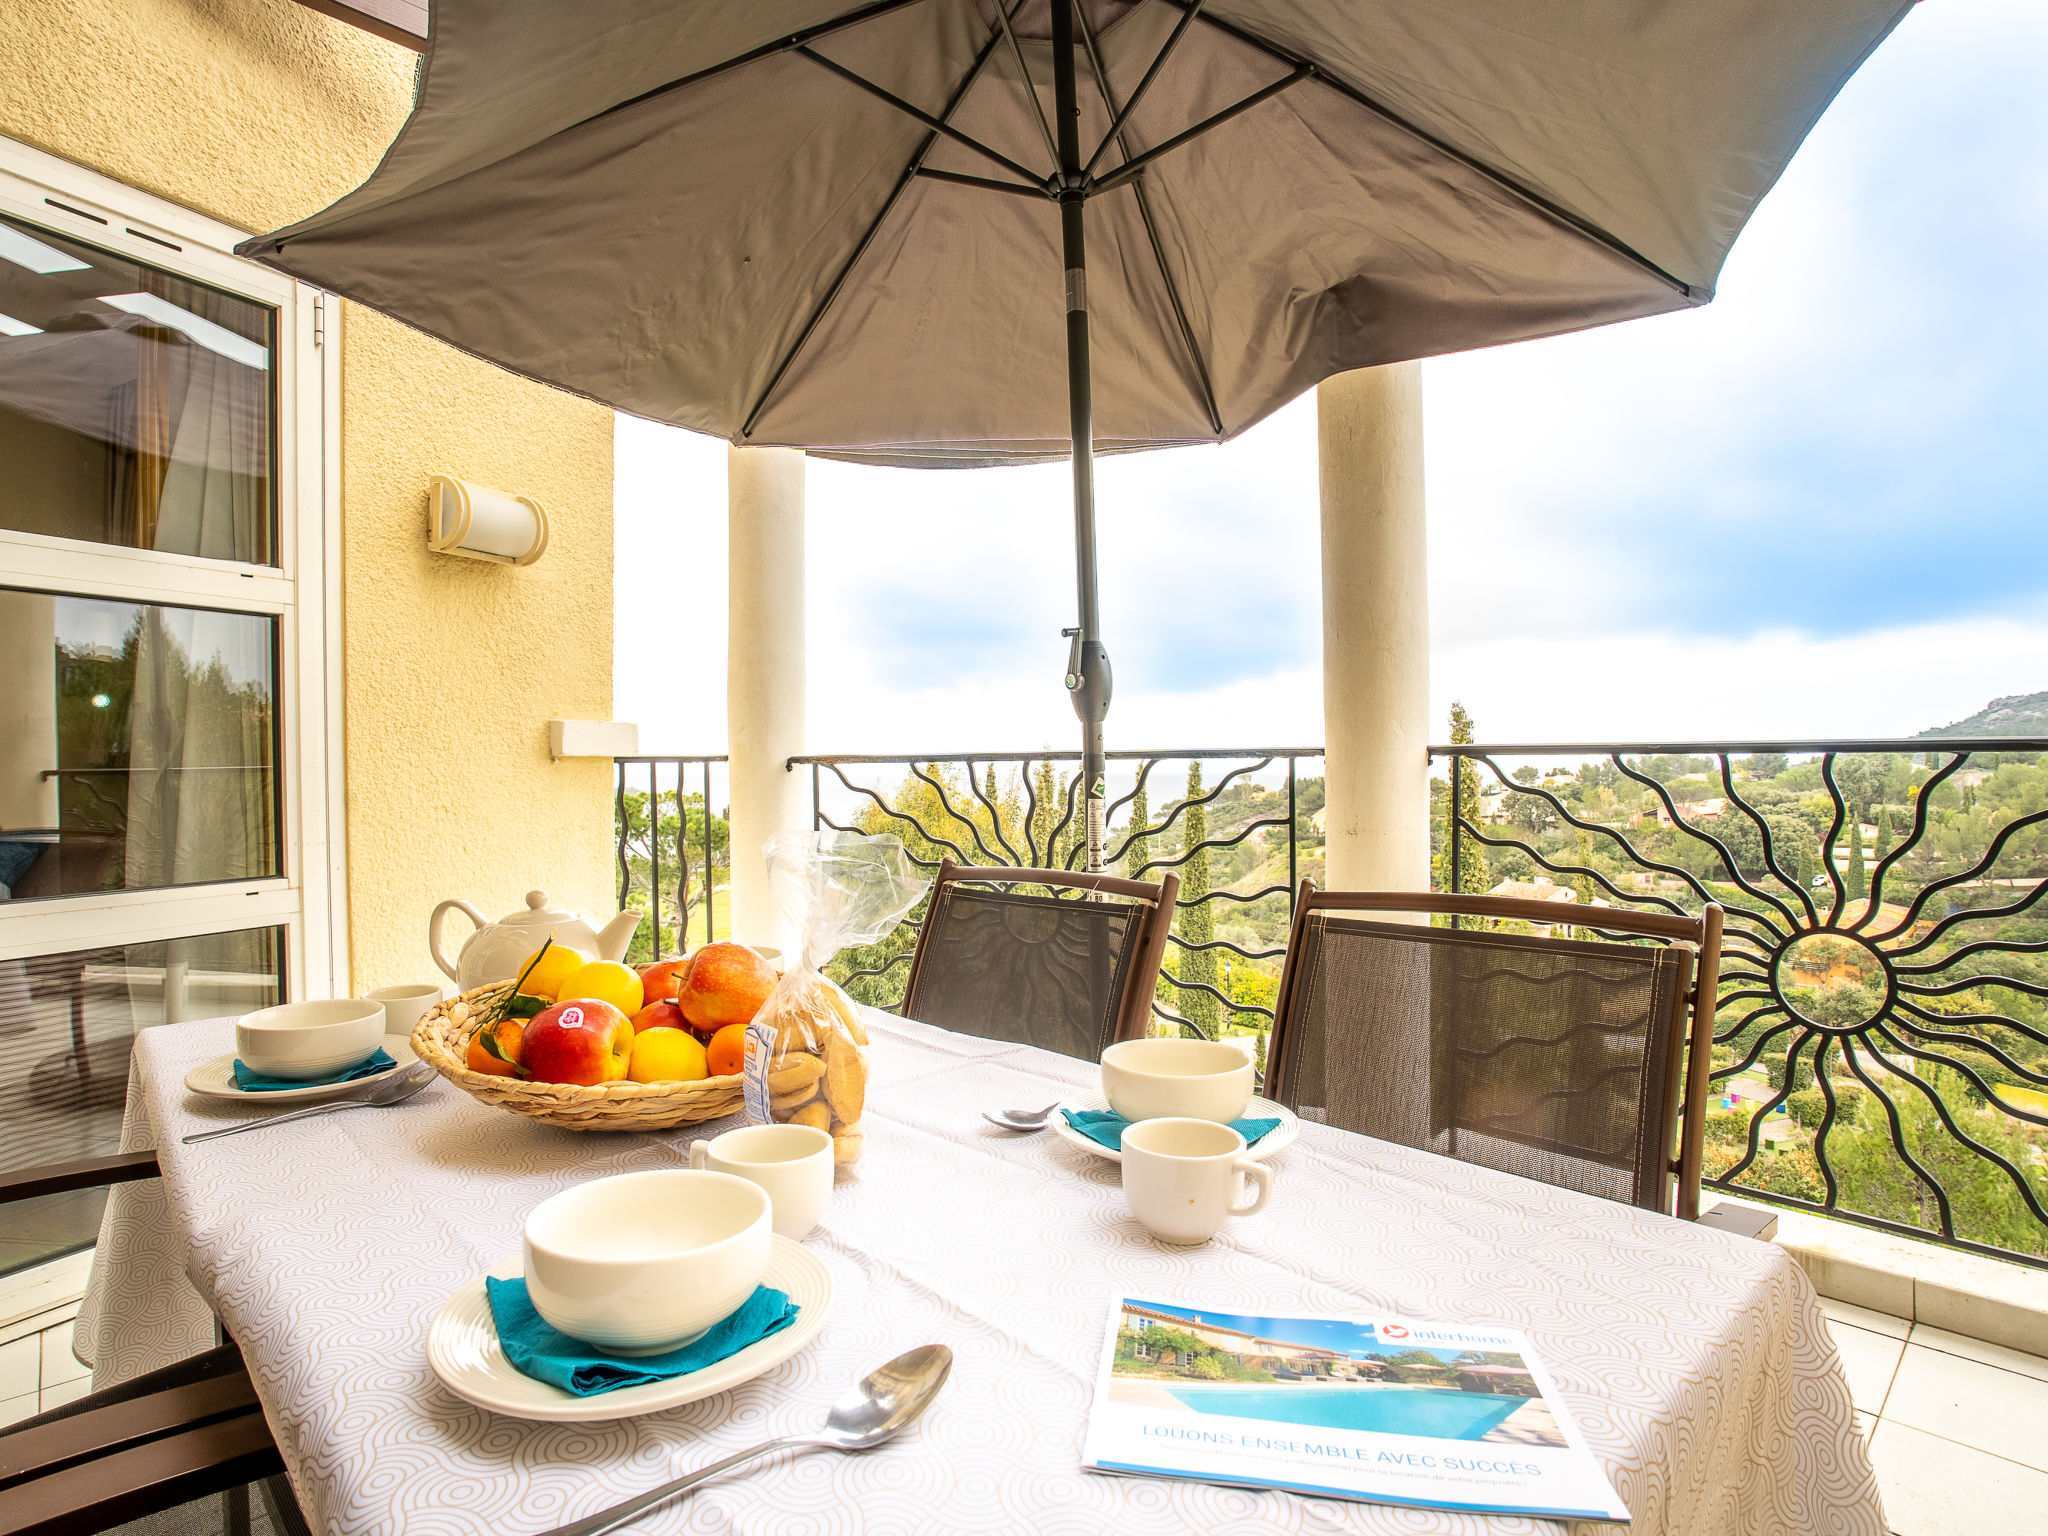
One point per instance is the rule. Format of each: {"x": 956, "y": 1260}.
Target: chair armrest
{"x": 86, "y": 1173}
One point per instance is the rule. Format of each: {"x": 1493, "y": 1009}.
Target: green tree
{"x": 1196, "y": 920}
{"x": 1046, "y": 811}
{"x": 1208, "y": 1367}
{"x": 1859, "y": 877}
{"x": 1473, "y": 875}
{"x": 1884, "y": 832}
{"x": 1138, "y": 851}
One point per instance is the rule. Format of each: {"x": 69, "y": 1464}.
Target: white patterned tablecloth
{"x": 1698, "y": 1363}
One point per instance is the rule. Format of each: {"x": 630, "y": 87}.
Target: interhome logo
{"x": 1424, "y": 1336}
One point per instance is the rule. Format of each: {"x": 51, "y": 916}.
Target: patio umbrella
{"x": 970, "y": 232}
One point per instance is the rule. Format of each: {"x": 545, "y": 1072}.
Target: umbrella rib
{"x": 1180, "y": 314}
{"x": 1499, "y": 178}
{"x": 1024, "y": 82}
{"x": 910, "y": 173}
{"x": 937, "y": 125}
{"x": 991, "y": 183}
{"x": 1122, "y": 115}
{"x": 766, "y": 50}
{"x": 1133, "y": 168}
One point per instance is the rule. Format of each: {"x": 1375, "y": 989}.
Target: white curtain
{"x": 216, "y": 485}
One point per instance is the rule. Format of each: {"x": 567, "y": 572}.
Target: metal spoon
{"x": 1020, "y": 1119}
{"x": 392, "y": 1088}
{"x": 872, "y": 1411}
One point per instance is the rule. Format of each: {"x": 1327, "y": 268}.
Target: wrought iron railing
{"x": 1881, "y": 1043}
{"x": 1881, "y": 1049}
{"x": 1236, "y": 830}
{"x": 670, "y": 844}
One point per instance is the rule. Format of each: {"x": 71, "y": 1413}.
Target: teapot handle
{"x": 434, "y": 933}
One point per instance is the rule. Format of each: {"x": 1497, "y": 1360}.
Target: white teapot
{"x": 494, "y": 952}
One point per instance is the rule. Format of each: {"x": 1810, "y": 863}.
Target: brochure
{"x": 1386, "y": 1410}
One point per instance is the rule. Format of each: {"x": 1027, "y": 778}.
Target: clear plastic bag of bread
{"x": 806, "y": 1060}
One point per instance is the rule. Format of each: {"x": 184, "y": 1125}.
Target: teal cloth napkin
{"x": 1106, "y": 1126}
{"x": 584, "y": 1370}
{"x": 251, "y": 1081}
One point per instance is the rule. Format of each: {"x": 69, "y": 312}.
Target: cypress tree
{"x": 1196, "y": 921}
{"x": 1859, "y": 878}
{"x": 1138, "y": 852}
{"x": 1045, "y": 815}
{"x": 1473, "y": 874}
{"x": 1884, "y": 832}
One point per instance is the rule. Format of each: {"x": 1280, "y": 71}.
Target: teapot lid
{"x": 538, "y": 912}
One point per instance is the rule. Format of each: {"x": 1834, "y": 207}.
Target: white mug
{"x": 1182, "y": 1177}
{"x": 793, "y": 1163}
{"x": 405, "y": 1006}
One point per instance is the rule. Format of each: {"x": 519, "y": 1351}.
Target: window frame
{"x": 302, "y": 592}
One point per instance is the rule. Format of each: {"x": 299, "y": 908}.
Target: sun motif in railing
{"x": 1902, "y": 1036}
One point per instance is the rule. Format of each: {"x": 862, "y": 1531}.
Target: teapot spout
{"x": 616, "y": 937}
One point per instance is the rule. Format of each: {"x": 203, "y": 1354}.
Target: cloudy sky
{"x": 1813, "y": 508}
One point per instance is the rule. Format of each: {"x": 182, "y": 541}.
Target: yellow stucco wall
{"x": 257, "y": 112}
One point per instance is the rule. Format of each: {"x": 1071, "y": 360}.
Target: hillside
{"x": 2023, "y": 714}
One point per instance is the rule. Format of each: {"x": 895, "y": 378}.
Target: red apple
{"x": 659, "y": 1016}
{"x": 583, "y": 1041}
{"x": 726, "y": 984}
{"x": 661, "y": 979}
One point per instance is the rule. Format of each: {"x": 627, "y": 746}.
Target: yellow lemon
{"x": 607, "y": 981}
{"x": 556, "y": 966}
{"x": 666, "y": 1055}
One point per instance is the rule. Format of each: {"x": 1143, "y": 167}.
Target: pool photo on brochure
{"x": 1325, "y": 1373}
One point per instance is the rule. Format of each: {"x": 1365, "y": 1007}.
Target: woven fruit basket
{"x": 441, "y": 1038}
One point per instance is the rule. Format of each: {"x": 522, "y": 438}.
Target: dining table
{"x": 1696, "y": 1363}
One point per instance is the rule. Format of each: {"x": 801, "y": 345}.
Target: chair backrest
{"x": 1564, "y": 1060}
{"x": 1071, "y": 973}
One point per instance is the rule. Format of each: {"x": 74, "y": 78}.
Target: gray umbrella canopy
{"x": 857, "y": 228}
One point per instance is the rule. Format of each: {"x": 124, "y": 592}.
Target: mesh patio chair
{"x": 1072, "y": 973}
{"x": 183, "y": 1444}
{"x": 1564, "y": 1060}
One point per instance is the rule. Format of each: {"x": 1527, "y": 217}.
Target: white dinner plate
{"x": 1279, "y": 1139}
{"x": 463, "y": 1348}
{"x": 215, "y": 1079}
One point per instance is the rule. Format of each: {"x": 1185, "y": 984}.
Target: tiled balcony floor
{"x": 1958, "y": 1430}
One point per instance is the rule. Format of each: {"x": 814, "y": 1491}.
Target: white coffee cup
{"x": 793, "y": 1163}
{"x": 1193, "y": 1079}
{"x": 303, "y": 1041}
{"x": 405, "y": 1006}
{"x": 642, "y": 1263}
{"x": 1182, "y": 1177}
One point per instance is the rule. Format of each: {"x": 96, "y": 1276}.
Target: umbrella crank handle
{"x": 1088, "y": 678}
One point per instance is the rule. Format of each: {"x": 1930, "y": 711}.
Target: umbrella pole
{"x": 1088, "y": 677}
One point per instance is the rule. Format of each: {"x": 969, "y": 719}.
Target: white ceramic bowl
{"x": 1187, "y": 1079}
{"x": 303, "y": 1041}
{"x": 643, "y": 1263}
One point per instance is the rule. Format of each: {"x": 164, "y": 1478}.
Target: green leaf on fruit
{"x": 488, "y": 1037}
{"x": 524, "y": 1005}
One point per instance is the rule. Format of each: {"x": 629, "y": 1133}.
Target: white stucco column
{"x": 1375, "y": 629}
{"x": 764, "y": 676}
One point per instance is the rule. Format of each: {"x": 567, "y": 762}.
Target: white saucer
{"x": 215, "y": 1079}
{"x": 1279, "y": 1139}
{"x": 463, "y": 1348}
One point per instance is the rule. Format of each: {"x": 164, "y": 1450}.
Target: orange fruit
{"x": 508, "y": 1033}
{"x": 727, "y": 1052}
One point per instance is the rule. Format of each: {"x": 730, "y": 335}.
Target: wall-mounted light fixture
{"x": 482, "y": 524}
